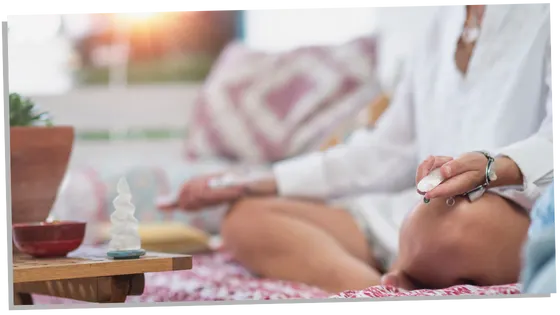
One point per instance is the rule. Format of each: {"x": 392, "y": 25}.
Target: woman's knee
{"x": 429, "y": 245}
{"x": 494, "y": 232}
{"x": 491, "y": 221}
{"x": 476, "y": 241}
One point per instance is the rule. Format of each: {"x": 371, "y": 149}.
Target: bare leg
{"x": 300, "y": 241}
{"x": 471, "y": 243}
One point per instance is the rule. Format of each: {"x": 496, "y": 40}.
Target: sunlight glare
{"x": 138, "y": 16}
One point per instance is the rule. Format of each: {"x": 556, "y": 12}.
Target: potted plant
{"x": 39, "y": 156}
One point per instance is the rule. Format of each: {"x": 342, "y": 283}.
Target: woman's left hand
{"x": 460, "y": 175}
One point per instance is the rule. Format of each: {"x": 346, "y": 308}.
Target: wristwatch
{"x": 490, "y": 176}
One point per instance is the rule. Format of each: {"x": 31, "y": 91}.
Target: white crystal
{"x": 430, "y": 182}
{"x": 124, "y": 229}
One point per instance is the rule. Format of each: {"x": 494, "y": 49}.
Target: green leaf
{"x": 23, "y": 112}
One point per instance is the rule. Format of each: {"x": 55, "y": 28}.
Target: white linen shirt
{"x": 502, "y": 105}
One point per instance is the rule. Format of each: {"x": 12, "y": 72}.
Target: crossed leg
{"x": 476, "y": 243}
{"x": 300, "y": 241}
{"x": 471, "y": 243}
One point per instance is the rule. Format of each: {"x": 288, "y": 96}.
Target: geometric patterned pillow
{"x": 261, "y": 107}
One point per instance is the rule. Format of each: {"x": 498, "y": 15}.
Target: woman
{"x": 479, "y": 80}
{"x": 523, "y": 169}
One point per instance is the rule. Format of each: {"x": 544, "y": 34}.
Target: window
{"x": 285, "y": 29}
{"x": 51, "y": 54}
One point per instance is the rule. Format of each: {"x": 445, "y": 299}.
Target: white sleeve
{"x": 383, "y": 160}
{"x": 534, "y": 155}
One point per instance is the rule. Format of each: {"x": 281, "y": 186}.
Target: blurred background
{"x": 160, "y": 97}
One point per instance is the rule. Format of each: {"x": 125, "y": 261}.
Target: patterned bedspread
{"x": 217, "y": 277}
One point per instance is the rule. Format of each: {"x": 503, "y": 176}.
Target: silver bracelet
{"x": 490, "y": 176}
{"x": 478, "y": 191}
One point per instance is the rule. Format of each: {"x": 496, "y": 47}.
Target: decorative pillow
{"x": 259, "y": 107}
{"x": 166, "y": 237}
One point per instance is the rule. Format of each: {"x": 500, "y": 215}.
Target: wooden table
{"x": 88, "y": 275}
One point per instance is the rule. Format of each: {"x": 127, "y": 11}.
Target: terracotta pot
{"x": 38, "y": 161}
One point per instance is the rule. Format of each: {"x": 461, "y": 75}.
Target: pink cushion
{"x": 262, "y": 107}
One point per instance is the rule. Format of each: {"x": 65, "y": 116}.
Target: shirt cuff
{"x": 302, "y": 177}
{"x": 534, "y": 157}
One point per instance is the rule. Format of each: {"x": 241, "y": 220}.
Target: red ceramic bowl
{"x": 48, "y": 239}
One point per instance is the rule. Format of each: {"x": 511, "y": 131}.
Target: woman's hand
{"x": 195, "y": 195}
{"x": 460, "y": 175}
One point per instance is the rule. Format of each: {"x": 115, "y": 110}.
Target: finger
{"x": 455, "y": 168}
{"x": 430, "y": 164}
{"x": 424, "y": 168}
{"x": 455, "y": 186}
{"x": 439, "y": 161}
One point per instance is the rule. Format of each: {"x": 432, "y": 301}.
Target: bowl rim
{"x": 48, "y": 224}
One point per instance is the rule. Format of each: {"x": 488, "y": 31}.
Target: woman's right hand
{"x": 196, "y": 194}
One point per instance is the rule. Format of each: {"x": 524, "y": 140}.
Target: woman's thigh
{"x": 336, "y": 222}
